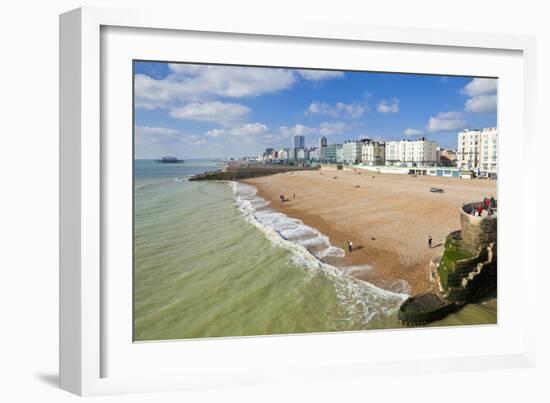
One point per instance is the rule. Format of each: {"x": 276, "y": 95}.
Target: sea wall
{"x": 245, "y": 171}
{"x": 331, "y": 167}
{"x": 423, "y": 309}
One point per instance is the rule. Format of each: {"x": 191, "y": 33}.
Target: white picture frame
{"x": 84, "y": 175}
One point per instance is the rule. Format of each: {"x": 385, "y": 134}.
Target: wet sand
{"x": 388, "y": 217}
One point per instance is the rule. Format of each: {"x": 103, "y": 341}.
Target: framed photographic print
{"x": 238, "y": 200}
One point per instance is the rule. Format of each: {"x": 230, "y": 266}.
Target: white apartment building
{"x": 421, "y": 152}
{"x": 314, "y": 154}
{"x": 478, "y": 150}
{"x": 352, "y": 152}
{"x": 395, "y": 152}
{"x": 469, "y": 146}
{"x": 339, "y": 154}
{"x": 301, "y": 154}
{"x": 489, "y": 150}
{"x": 373, "y": 153}
{"x": 283, "y": 154}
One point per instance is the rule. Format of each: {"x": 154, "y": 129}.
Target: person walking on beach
{"x": 429, "y": 241}
{"x": 293, "y": 195}
{"x": 282, "y": 197}
{"x": 350, "y": 245}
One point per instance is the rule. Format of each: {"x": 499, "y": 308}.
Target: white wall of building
{"x": 489, "y": 150}
{"x": 419, "y": 152}
{"x": 352, "y": 152}
{"x": 468, "y": 149}
{"x": 373, "y": 153}
{"x": 478, "y": 150}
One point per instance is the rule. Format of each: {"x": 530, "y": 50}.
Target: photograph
{"x": 277, "y": 200}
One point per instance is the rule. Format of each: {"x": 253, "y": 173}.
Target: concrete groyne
{"x": 244, "y": 171}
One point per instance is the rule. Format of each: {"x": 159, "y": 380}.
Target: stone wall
{"x": 237, "y": 172}
{"x": 477, "y": 232}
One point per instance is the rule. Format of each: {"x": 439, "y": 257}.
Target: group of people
{"x": 282, "y": 197}
{"x": 488, "y": 204}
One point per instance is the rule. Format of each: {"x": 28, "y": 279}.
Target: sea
{"x": 212, "y": 259}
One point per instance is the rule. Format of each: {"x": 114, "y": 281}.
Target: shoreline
{"x": 384, "y": 229}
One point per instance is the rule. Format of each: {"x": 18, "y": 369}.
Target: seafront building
{"x": 447, "y": 157}
{"x": 284, "y": 154}
{"x": 329, "y": 152}
{"x": 339, "y": 154}
{"x": 352, "y": 152}
{"x": 298, "y": 141}
{"x": 478, "y": 151}
{"x": 477, "y": 154}
{"x": 301, "y": 154}
{"x": 373, "y": 152}
{"x": 421, "y": 152}
{"x": 489, "y": 151}
{"x": 469, "y": 146}
{"x": 314, "y": 154}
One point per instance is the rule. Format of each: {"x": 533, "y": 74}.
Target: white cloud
{"x": 192, "y": 83}
{"x": 250, "y": 129}
{"x": 226, "y": 114}
{"x": 332, "y": 128}
{"x": 483, "y": 95}
{"x": 152, "y": 94}
{"x": 446, "y": 121}
{"x": 412, "y": 132}
{"x": 324, "y": 129}
{"x": 296, "y": 130}
{"x": 319, "y": 75}
{"x": 215, "y": 133}
{"x": 481, "y": 104}
{"x": 246, "y": 130}
{"x": 480, "y": 86}
{"x": 340, "y": 109}
{"x": 203, "y": 83}
{"x": 183, "y": 68}
{"x": 450, "y": 115}
{"x": 388, "y": 106}
{"x": 157, "y": 135}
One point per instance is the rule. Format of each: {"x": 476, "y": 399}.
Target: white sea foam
{"x": 308, "y": 246}
{"x": 354, "y": 270}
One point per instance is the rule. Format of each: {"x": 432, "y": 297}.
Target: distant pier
{"x": 245, "y": 171}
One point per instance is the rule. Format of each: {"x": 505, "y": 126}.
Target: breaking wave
{"x": 309, "y": 248}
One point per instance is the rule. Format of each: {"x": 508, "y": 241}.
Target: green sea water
{"x": 205, "y": 267}
{"x": 211, "y": 259}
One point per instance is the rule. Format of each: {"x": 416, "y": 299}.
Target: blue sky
{"x": 205, "y": 111}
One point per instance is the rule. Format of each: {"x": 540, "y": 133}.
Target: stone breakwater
{"x": 467, "y": 270}
{"x": 235, "y": 172}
